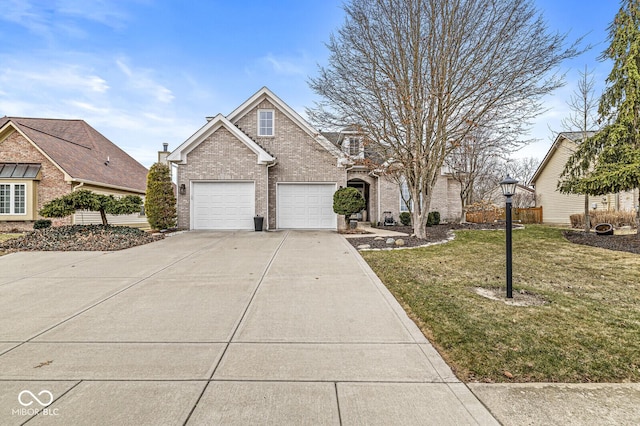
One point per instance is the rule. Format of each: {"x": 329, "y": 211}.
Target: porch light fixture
{"x": 183, "y": 189}
{"x": 508, "y": 186}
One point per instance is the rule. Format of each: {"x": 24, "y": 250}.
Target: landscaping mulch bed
{"x": 80, "y": 238}
{"x": 629, "y": 243}
{"x": 436, "y": 233}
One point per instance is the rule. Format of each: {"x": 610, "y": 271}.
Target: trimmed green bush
{"x": 348, "y": 201}
{"x": 433, "y": 218}
{"x": 405, "y": 218}
{"x": 42, "y": 224}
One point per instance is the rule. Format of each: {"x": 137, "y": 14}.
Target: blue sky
{"x": 144, "y": 72}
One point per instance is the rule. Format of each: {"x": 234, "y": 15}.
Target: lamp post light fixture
{"x": 508, "y": 186}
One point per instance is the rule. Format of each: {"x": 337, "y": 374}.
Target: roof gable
{"x": 573, "y": 137}
{"x": 180, "y": 153}
{"x": 80, "y": 151}
{"x": 267, "y": 94}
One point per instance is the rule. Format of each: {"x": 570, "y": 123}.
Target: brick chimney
{"x": 162, "y": 155}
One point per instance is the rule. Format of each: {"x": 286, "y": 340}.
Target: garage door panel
{"x": 306, "y": 206}
{"x": 223, "y": 205}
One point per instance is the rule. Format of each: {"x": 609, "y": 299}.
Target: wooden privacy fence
{"x": 528, "y": 215}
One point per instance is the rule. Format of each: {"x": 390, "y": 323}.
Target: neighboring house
{"x": 558, "y": 207}
{"x": 524, "y": 197}
{"x": 265, "y": 160}
{"x": 43, "y": 159}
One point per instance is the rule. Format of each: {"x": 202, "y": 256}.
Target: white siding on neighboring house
{"x": 87, "y": 217}
{"x": 557, "y": 207}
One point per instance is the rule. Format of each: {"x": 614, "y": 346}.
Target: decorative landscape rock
{"x": 400, "y": 242}
{"x": 80, "y": 238}
{"x": 379, "y": 238}
{"x": 364, "y": 246}
{"x": 391, "y": 241}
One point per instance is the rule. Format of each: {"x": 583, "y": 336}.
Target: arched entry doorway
{"x": 363, "y": 187}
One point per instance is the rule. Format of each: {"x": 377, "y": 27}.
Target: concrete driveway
{"x": 216, "y": 328}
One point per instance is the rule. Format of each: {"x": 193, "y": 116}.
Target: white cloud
{"x": 106, "y": 12}
{"x": 87, "y": 107}
{"x": 141, "y": 80}
{"x": 52, "y": 17}
{"x": 286, "y": 66}
{"x": 58, "y": 77}
{"x": 26, "y": 14}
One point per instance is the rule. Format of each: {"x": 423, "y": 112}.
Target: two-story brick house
{"x": 264, "y": 159}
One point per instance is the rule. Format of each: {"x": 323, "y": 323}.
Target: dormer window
{"x": 265, "y": 122}
{"x": 354, "y": 146}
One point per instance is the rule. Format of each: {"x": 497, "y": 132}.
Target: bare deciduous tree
{"x": 582, "y": 118}
{"x": 419, "y": 76}
{"x": 470, "y": 163}
{"x": 522, "y": 169}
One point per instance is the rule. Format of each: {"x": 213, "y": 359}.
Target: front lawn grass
{"x": 588, "y": 331}
{"x": 5, "y": 237}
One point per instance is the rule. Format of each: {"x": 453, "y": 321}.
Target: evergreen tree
{"x": 609, "y": 162}
{"x": 160, "y": 202}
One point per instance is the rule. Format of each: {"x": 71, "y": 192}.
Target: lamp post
{"x": 508, "y": 186}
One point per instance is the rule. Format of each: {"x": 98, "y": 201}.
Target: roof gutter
{"x": 105, "y": 185}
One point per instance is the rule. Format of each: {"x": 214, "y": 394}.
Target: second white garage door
{"x": 306, "y": 206}
{"x": 223, "y": 205}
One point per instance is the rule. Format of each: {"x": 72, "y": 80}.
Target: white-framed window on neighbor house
{"x": 13, "y": 198}
{"x": 265, "y": 122}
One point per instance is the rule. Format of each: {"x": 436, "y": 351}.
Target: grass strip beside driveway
{"x": 5, "y": 237}
{"x": 587, "y": 331}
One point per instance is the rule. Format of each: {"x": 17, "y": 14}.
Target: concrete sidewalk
{"x": 216, "y": 328}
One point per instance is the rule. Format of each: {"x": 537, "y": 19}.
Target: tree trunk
{"x": 587, "y": 218}
{"x": 103, "y": 216}
{"x": 420, "y": 215}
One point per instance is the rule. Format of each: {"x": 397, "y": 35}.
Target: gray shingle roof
{"x": 81, "y": 151}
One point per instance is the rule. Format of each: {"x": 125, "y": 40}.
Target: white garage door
{"x": 223, "y": 205}
{"x": 306, "y": 206}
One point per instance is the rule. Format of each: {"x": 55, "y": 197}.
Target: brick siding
{"x": 16, "y": 149}
{"x": 300, "y": 158}
{"x": 220, "y": 157}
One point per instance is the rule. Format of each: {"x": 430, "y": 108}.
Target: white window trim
{"x": 273, "y": 123}
{"x": 12, "y": 199}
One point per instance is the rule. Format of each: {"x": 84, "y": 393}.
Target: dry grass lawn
{"x": 5, "y": 237}
{"x": 588, "y": 329}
